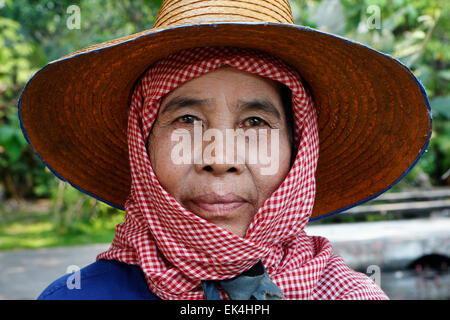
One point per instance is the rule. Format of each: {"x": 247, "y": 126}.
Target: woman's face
{"x": 221, "y": 182}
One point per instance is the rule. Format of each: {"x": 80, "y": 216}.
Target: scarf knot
{"x": 253, "y": 284}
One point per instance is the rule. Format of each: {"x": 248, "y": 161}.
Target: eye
{"x": 254, "y": 122}
{"x": 187, "y": 118}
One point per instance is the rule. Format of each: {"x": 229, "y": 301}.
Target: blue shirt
{"x": 101, "y": 280}
{"x": 115, "y": 280}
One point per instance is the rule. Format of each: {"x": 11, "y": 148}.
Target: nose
{"x": 219, "y": 169}
{"x": 217, "y": 162}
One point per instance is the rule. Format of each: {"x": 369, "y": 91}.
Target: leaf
{"x": 6, "y": 133}
{"x": 13, "y": 150}
{"x": 329, "y": 16}
{"x": 441, "y": 106}
{"x": 444, "y": 74}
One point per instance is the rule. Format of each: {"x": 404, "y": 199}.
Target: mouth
{"x": 214, "y": 205}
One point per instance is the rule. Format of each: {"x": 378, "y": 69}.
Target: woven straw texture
{"x": 373, "y": 115}
{"x": 176, "y": 249}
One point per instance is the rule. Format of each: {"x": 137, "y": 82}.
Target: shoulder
{"x": 101, "y": 280}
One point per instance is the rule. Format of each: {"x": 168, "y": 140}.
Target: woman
{"x": 199, "y": 227}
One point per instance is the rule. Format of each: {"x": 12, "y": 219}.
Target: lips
{"x": 220, "y": 205}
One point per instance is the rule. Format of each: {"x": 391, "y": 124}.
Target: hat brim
{"x": 374, "y": 116}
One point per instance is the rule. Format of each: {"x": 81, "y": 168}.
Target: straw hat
{"x": 374, "y": 116}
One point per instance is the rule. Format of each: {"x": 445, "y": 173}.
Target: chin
{"x": 239, "y": 230}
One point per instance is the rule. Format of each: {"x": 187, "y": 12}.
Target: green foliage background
{"x": 417, "y": 32}
{"x": 34, "y": 32}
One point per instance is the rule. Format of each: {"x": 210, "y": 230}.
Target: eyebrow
{"x": 263, "y": 104}
{"x": 259, "y": 105}
{"x": 183, "y": 102}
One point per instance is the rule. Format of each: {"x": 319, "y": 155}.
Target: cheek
{"x": 271, "y": 172}
{"x": 168, "y": 173}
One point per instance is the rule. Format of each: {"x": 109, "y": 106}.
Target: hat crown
{"x": 179, "y": 12}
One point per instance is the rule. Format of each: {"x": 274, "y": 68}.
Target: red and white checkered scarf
{"x": 176, "y": 249}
